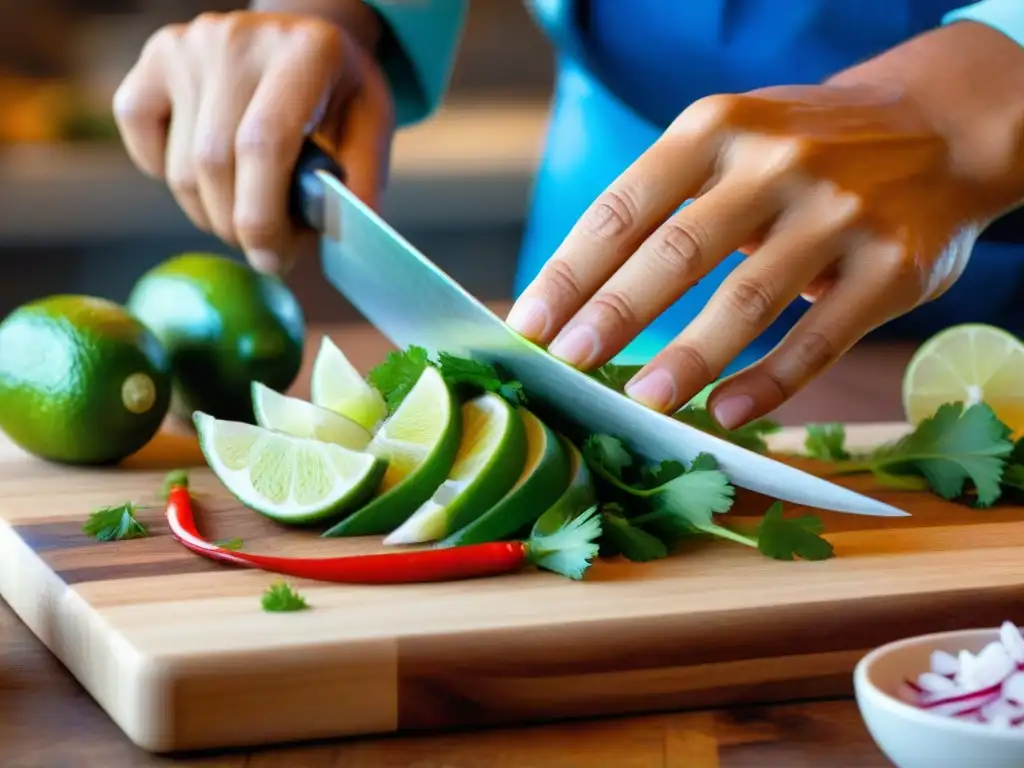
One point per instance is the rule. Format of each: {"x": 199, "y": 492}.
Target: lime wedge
{"x": 970, "y": 363}
{"x": 301, "y": 419}
{"x": 289, "y": 479}
{"x": 543, "y": 480}
{"x": 578, "y": 497}
{"x": 337, "y": 386}
{"x": 419, "y": 442}
{"x": 491, "y": 457}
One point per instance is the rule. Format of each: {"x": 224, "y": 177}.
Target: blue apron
{"x": 626, "y": 68}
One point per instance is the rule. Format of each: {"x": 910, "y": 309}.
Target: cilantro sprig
{"x": 398, "y": 374}
{"x": 957, "y": 452}
{"x": 117, "y": 523}
{"x": 281, "y": 598}
{"x": 651, "y": 509}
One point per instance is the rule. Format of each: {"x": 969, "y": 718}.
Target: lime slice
{"x": 969, "y": 363}
{"x": 337, "y": 386}
{"x": 578, "y": 497}
{"x": 301, "y": 419}
{"x": 420, "y": 442}
{"x": 543, "y": 480}
{"x": 289, "y": 479}
{"x": 491, "y": 457}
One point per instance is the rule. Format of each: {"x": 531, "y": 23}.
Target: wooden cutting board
{"x": 179, "y": 653}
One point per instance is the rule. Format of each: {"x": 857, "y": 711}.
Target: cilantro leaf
{"x": 513, "y": 392}
{"x": 235, "y": 543}
{"x": 459, "y": 370}
{"x": 750, "y": 436}
{"x": 280, "y": 597}
{"x": 688, "y": 504}
{"x": 463, "y": 372}
{"x": 115, "y": 524}
{"x": 662, "y": 473}
{"x": 398, "y": 374}
{"x": 789, "y": 538}
{"x": 570, "y": 549}
{"x": 630, "y": 541}
{"x": 615, "y": 376}
{"x": 953, "y": 447}
{"x": 173, "y": 478}
{"x": 608, "y": 456}
{"x": 826, "y": 442}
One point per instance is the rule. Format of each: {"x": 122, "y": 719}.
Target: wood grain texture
{"x": 180, "y": 655}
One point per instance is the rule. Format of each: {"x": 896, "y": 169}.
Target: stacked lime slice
{"x": 290, "y": 479}
{"x": 419, "y": 442}
{"x": 303, "y": 419}
{"x": 543, "y": 480}
{"x": 491, "y": 456}
{"x": 337, "y": 386}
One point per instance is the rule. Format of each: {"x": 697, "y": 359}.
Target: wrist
{"x": 967, "y": 81}
{"x": 354, "y": 16}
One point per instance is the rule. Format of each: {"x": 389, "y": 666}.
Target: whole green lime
{"x": 224, "y": 325}
{"x": 81, "y": 380}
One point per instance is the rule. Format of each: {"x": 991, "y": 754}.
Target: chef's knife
{"x": 413, "y": 302}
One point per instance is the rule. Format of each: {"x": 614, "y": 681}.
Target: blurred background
{"x": 75, "y": 215}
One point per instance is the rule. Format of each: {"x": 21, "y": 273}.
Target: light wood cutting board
{"x": 179, "y": 653}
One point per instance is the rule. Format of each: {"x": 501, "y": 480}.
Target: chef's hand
{"x": 863, "y": 195}
{"x": 220, "y": 108}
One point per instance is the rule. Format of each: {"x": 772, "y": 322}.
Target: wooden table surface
{"x": 48, "y": 721}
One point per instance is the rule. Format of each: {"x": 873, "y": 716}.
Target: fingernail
{"x": 264, "y": 261}
{"x": 529, "y": 318}
{"x": 656, "y": 389}
{"x": 577, "y": 346}
{"x": 733, "y": 411}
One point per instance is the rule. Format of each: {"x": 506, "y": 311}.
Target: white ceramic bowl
{"x": 913, "y": 738}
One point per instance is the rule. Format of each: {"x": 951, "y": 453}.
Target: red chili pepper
{"x": 467, "y": 562}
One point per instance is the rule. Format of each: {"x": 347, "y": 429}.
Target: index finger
{"x": 142, "y": 107}
{"x": 670, "y": 172}
{"x": 267, "y": 147}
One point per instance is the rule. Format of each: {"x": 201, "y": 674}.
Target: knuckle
{"x": 182, "y": 181}
{"x": 208, "y": 21}
{"x": 562, "y": 277}
{"x": 711, "y": 112}
{"x": 319, "y": 36}
{"x": 261, "y": 138}
{"x": 213, "y": 154}
{"x": 613, "y": 214}
{"x": 679, "y": 248}
{"x": 812, "y": 352}
{"x": 616, "y": 307}
{"x": 163, "y": 43}
{"x": 686, "y": 357}
{"x": 255, "y": 231}
{"x": 751, "y": 299}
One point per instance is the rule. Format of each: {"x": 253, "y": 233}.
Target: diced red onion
{"x": 985, "y": 688}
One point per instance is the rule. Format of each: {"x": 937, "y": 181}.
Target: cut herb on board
{"x": 117, "y": 523}
{"x": 651, "y": 509}
{"x": 956, "y": 453}
{"x": 281, "y": 598}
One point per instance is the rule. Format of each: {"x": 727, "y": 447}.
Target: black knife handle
{"x": 306, "y": 198}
